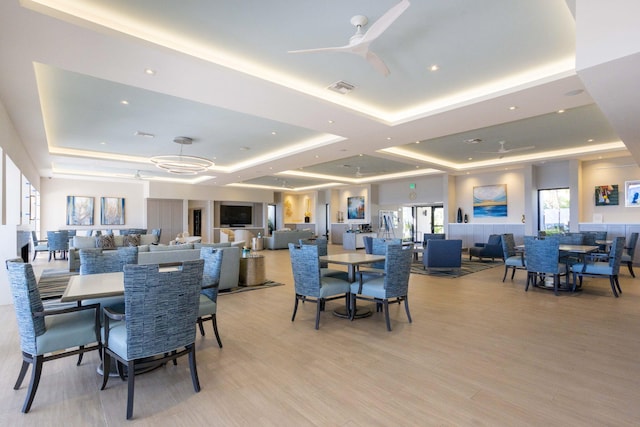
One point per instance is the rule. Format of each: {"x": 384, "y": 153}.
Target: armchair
{"x": 442, "y": 254}
{"x": 610, "y": 268}
{"x": 631, "y": 250}
{"x": 47, "y": 334}
{"x": 208, "y": 305}
{"x": 432, "y": 236}
{"x": 38, "y": 245}
{"x": 159, "y": 321}
{"x": 309, "y": 284}
{"x": 58, "y": 241}
{"x": 512, "y": 259}
{"x": 492, "y": 249}
{"x": 391, "y": 286}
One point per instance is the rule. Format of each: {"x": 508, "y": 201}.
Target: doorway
{"x": 197, "y": 222}
{"x": 427, "y": 219}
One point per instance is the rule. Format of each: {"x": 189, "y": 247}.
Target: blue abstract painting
{"x": 490, "y": 201}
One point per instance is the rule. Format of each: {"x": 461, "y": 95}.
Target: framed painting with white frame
{"x": 632, "y": 194}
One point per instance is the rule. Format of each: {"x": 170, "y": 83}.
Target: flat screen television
{"x": 234, "y": 215}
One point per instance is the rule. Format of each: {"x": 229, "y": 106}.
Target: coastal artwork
{"x": 607, "y": 195}
{"x": 355, "y": 207}
{"x": 490, "y": 201}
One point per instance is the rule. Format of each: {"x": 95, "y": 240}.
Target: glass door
{"x": 553, "y": 210}
{"x": 428, "y": 219}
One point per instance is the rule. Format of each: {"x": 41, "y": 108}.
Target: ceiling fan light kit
{"x": 181, "y": 164}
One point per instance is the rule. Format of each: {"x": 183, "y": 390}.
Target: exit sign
{"x": 412, "y": 186}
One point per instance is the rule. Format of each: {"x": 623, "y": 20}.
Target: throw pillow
{"x": 131, "y": 240}
{"x": 105, "y": 242}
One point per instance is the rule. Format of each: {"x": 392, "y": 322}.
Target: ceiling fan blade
{"x": 377, "y": 63}
{"x": 380, "y": 26}
{"x": 511, "y": 150}
{"x": 345, "y": 49}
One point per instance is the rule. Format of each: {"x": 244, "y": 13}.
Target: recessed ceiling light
{"x": 434, "y": 67}
{"x": 360, "y": 154}
{"x": 388, "y": 138}
{"x": 330, "y": 122}
{"x": 470, "y": 158}
{"x": 274, "y": 133}
{"x": 590, "y": 140}
{"x": 513, "y": 107}
{"x": 417, "y": 142}
{"x": 560, "y": 111}
{"x": 316, "y": 156}
{"x": 103, "y": 143}
{"x": 149, "y": 71}
{"x": 124, "y": 102}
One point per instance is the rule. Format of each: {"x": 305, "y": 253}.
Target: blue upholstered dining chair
{"x": 542, "y": 257}
{"x": 38, "y": 245}
{"x": 390, "y": 286}
{"x": 630, "y": 250}
{"x": 208, "y": 306}
{"x": 96, "y": 261}
{"x": 47, "y": 334}
{"x": 322, "y": 244}
{"x": 591, "y": 267}
{"x": 309, "y": 284}
{"x": 512, "y": 259}
{"x": 158, "y": 325}
{"x": 379, "y": 247}
{"x": 58, "y": 241}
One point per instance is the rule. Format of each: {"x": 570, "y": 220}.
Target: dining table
{"x": 353, "y": 261}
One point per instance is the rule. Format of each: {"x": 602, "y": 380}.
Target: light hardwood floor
{"x": 479, "y": 352}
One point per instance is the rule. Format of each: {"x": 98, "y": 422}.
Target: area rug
{"x": 53, "y": 282}
{"x": 265, "y": 285}
{"x": 468, "y": 267}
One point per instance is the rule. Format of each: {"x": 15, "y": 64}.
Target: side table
{"x": 252, "y": 270}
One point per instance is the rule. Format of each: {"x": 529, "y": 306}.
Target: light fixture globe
{"x": 181, "y": 164}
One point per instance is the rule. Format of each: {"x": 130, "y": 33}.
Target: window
{"x": 553, "y": 210}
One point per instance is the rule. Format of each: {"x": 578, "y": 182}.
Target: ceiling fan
{"x": 502, "y": 150}
{"x": 359, "y": 42}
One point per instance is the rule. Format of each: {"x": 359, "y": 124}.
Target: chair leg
{"x": 193, "y": 368}
{"x": 385, "y": 305}
{"x": 200, "y": 326}
{"x": 526, "y": 288}
{"x": 36, "y": 372}
{"x": 513, "y": 272}
{"x": 295, "y": 308}
{"x": 215, "y": 329}
{"x": 406, "y": 308}
{"x": 505, "y": 273}
{"x": 630, "y": 267}
{"x": 319, "y": 305}
{"x": 618, "y": 284}
{"x": 130, "y": 388}
{"x": 80, "y": 356}
{"x": 613, "y": 286}
{"x": 21, "y": 375}
{"x": 106, "y": 369}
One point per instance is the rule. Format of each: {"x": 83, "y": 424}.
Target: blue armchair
{"x": 492, "y": 249}
{"x": 442, "y": 254}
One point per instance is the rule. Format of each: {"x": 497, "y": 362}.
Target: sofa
{"x": 89, "y": 242}
{"x": 175, "y": 254}
{"x": 280, "y": 239}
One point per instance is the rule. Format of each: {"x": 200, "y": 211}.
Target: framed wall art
{"x": 111, "y": 211}
{"x": 355, "y": 207}
{"x": 79, "y": 210}
{"x": 632, "y": 194}
{"x": 490, "y": 201}
{"x": 607, "y": 195}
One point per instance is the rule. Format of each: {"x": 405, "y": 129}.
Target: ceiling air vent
{"x": 342, "y": 87}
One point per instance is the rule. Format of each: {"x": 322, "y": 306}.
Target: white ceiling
{"x": 224, "y": 78}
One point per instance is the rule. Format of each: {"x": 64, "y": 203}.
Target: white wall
{"x": 608, "y": 172}
{"x": 54, "y": 202}
{"x": 515, "y": 194}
